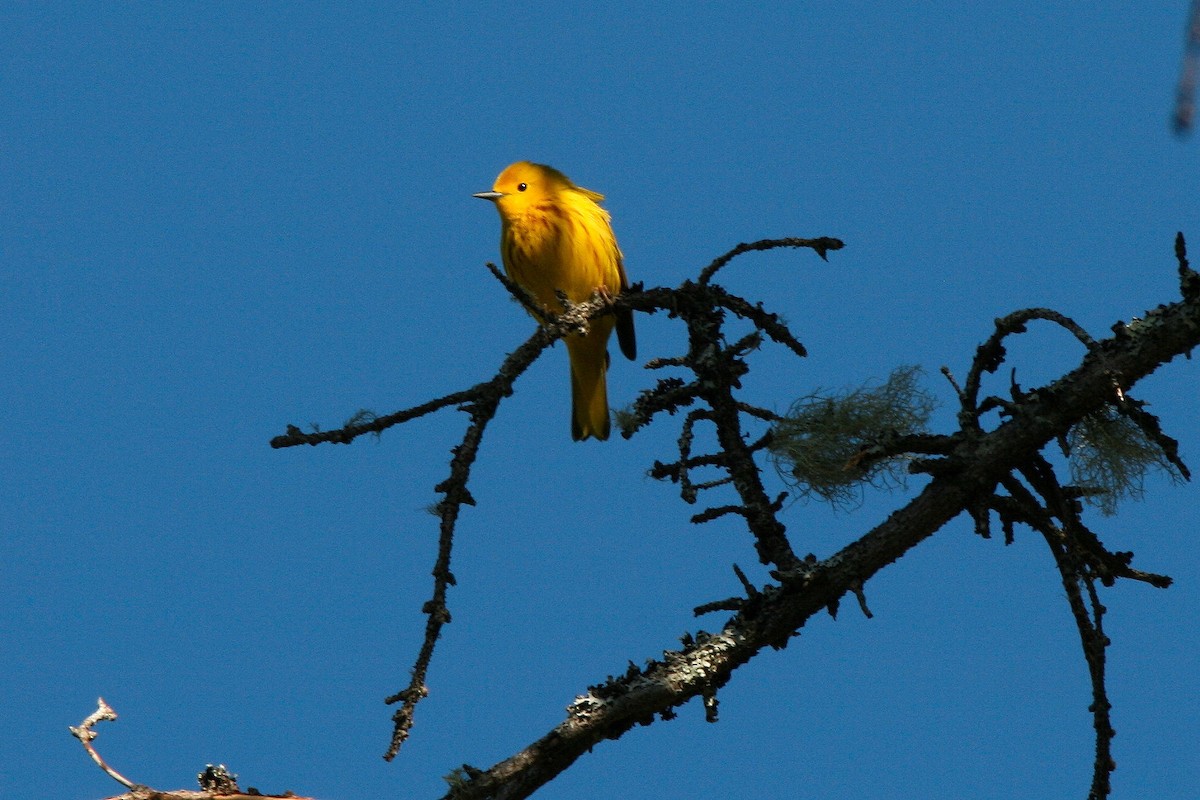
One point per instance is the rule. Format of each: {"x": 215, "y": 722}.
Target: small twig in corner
{"x": 216, "y": 782}
{"x": 751, "y": 589}
{"x": 856, "y": 587}
{"x": 85, "y": 734}
{"x": 950, "y": 377}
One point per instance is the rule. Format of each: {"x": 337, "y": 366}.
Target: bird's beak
{"x": 493, "y": 196}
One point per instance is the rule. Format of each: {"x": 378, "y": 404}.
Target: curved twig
{"x": 990, "y": 355}
{"x": 820, "y": 245}
{"x": 85, "y": 734}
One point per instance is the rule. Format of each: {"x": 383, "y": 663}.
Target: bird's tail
{"x": 589, "y": 384}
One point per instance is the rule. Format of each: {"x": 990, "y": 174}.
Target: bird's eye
{"x": 521, "y": 187}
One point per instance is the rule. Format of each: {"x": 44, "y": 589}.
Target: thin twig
{"x": 1189, "y": 279}
{"x": 523, "y": 297}
{"x": 820, "y": 245}
{"x": 348, "y": 433}
{"x": 84, "y": 733}
{"x": 990, "y": 355}
{"x": 857, "y": 588}
{"x": 771, "y": 324}
{"x": 455, "y": 494}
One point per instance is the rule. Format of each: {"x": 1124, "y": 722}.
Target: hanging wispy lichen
{"x": 817, "y": 447}
{"x": 1110, "y": 456}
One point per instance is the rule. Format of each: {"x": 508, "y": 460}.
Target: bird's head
{"x": 524, "y": 185}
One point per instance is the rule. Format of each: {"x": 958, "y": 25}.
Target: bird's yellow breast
{"x": 562, "y": 244}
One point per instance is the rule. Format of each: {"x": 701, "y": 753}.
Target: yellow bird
{"x": 554, "y": 237}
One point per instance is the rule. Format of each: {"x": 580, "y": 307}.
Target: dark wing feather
{"x": 626, "y": 337}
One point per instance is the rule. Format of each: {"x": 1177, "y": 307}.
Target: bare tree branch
{"x": 966, "y": 469}
{"x": 777, "y": 612}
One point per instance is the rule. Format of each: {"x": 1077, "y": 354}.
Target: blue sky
{"x": 217, "y": 219}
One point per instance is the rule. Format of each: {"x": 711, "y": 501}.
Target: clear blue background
{"x": 220, "y": 218}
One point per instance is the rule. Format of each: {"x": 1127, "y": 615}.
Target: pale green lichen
{"x": 1110, "y": 457}
{"x": 817, "y": 447}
